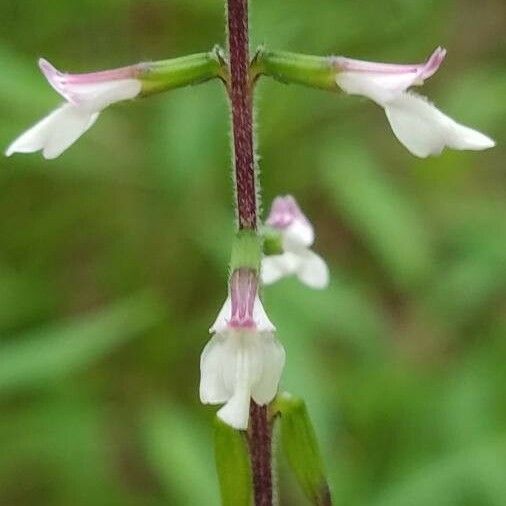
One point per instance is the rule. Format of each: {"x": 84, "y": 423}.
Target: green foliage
{"x": 232, "y": 465}
{"x": 400, "y": 361}
{"x": 299, "y": 442}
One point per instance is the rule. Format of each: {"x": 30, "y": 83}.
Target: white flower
{"x": 86, "y": 96}
{"x": 243, "y": 360}
{"x": 297, "y": 236}
{"x": 417, "y": 123}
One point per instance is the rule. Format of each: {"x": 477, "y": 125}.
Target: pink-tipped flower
{"x": 243, "y": 360}
{"x": 419, "y": 125}
{"x": 86, "y": 96}
{"x": 297, "y": 236}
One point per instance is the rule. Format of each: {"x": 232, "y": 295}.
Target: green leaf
{"x": 232, "y": 465}
{"x": 298, "y": 441}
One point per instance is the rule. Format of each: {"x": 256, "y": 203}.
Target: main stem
{"x": 240, "y": 91}
{"x": 259, "y": 440}
{"x": 242, "y": 113}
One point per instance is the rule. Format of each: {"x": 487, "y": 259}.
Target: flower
{"x": 86, "y": 96}
{"x": 297, "y": 236}
{"x": 419, "y": 125}
{"x": 243, "y": 360}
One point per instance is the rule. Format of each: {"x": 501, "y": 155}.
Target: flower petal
{"x": 98, "y": 96}
{"x": 298, "y": 235}
{"x": 94, "y": 91}
{"x": 273, "y": 362}
{"x": 381, "y": 88}
{"x": 236, "y": 410}
{"x": 425, "y": 130}
{"x": 275, "y": 267}
{"x": 382, "y": 82}
{"x": 234, "y": 363}
{"x": 262, "y": 322}
{"x": 221, "y": 322}
{"x": 313, "y": 271}
{"x": 54, "y": 133}
{"x": 425, "y": 70}
{"x": 272, "y": 269}
{"x": 462, "y": 137}
{"x": 215, "y": 356}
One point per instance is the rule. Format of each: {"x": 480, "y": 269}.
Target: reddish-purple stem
{"x": 242, "y": 113}
{"x": 259, "y": 433}
{"x": 260, "y": 443}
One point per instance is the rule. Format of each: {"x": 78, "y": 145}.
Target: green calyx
{"x": 166, "y": 75}
{"x": 312, "y": 71}
{"x": 232, "y": 464}
{"x": 246, "y": 251}
{"x": 298, "y": 441}
{"x": 273, "y": 243}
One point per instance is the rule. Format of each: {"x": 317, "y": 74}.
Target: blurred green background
{"x": 113, "y": 260}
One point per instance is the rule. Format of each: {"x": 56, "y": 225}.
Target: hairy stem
{"x": 259, "y": 434}
{"x": 260, "y": 443}
{"x": 242, "y": 113}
